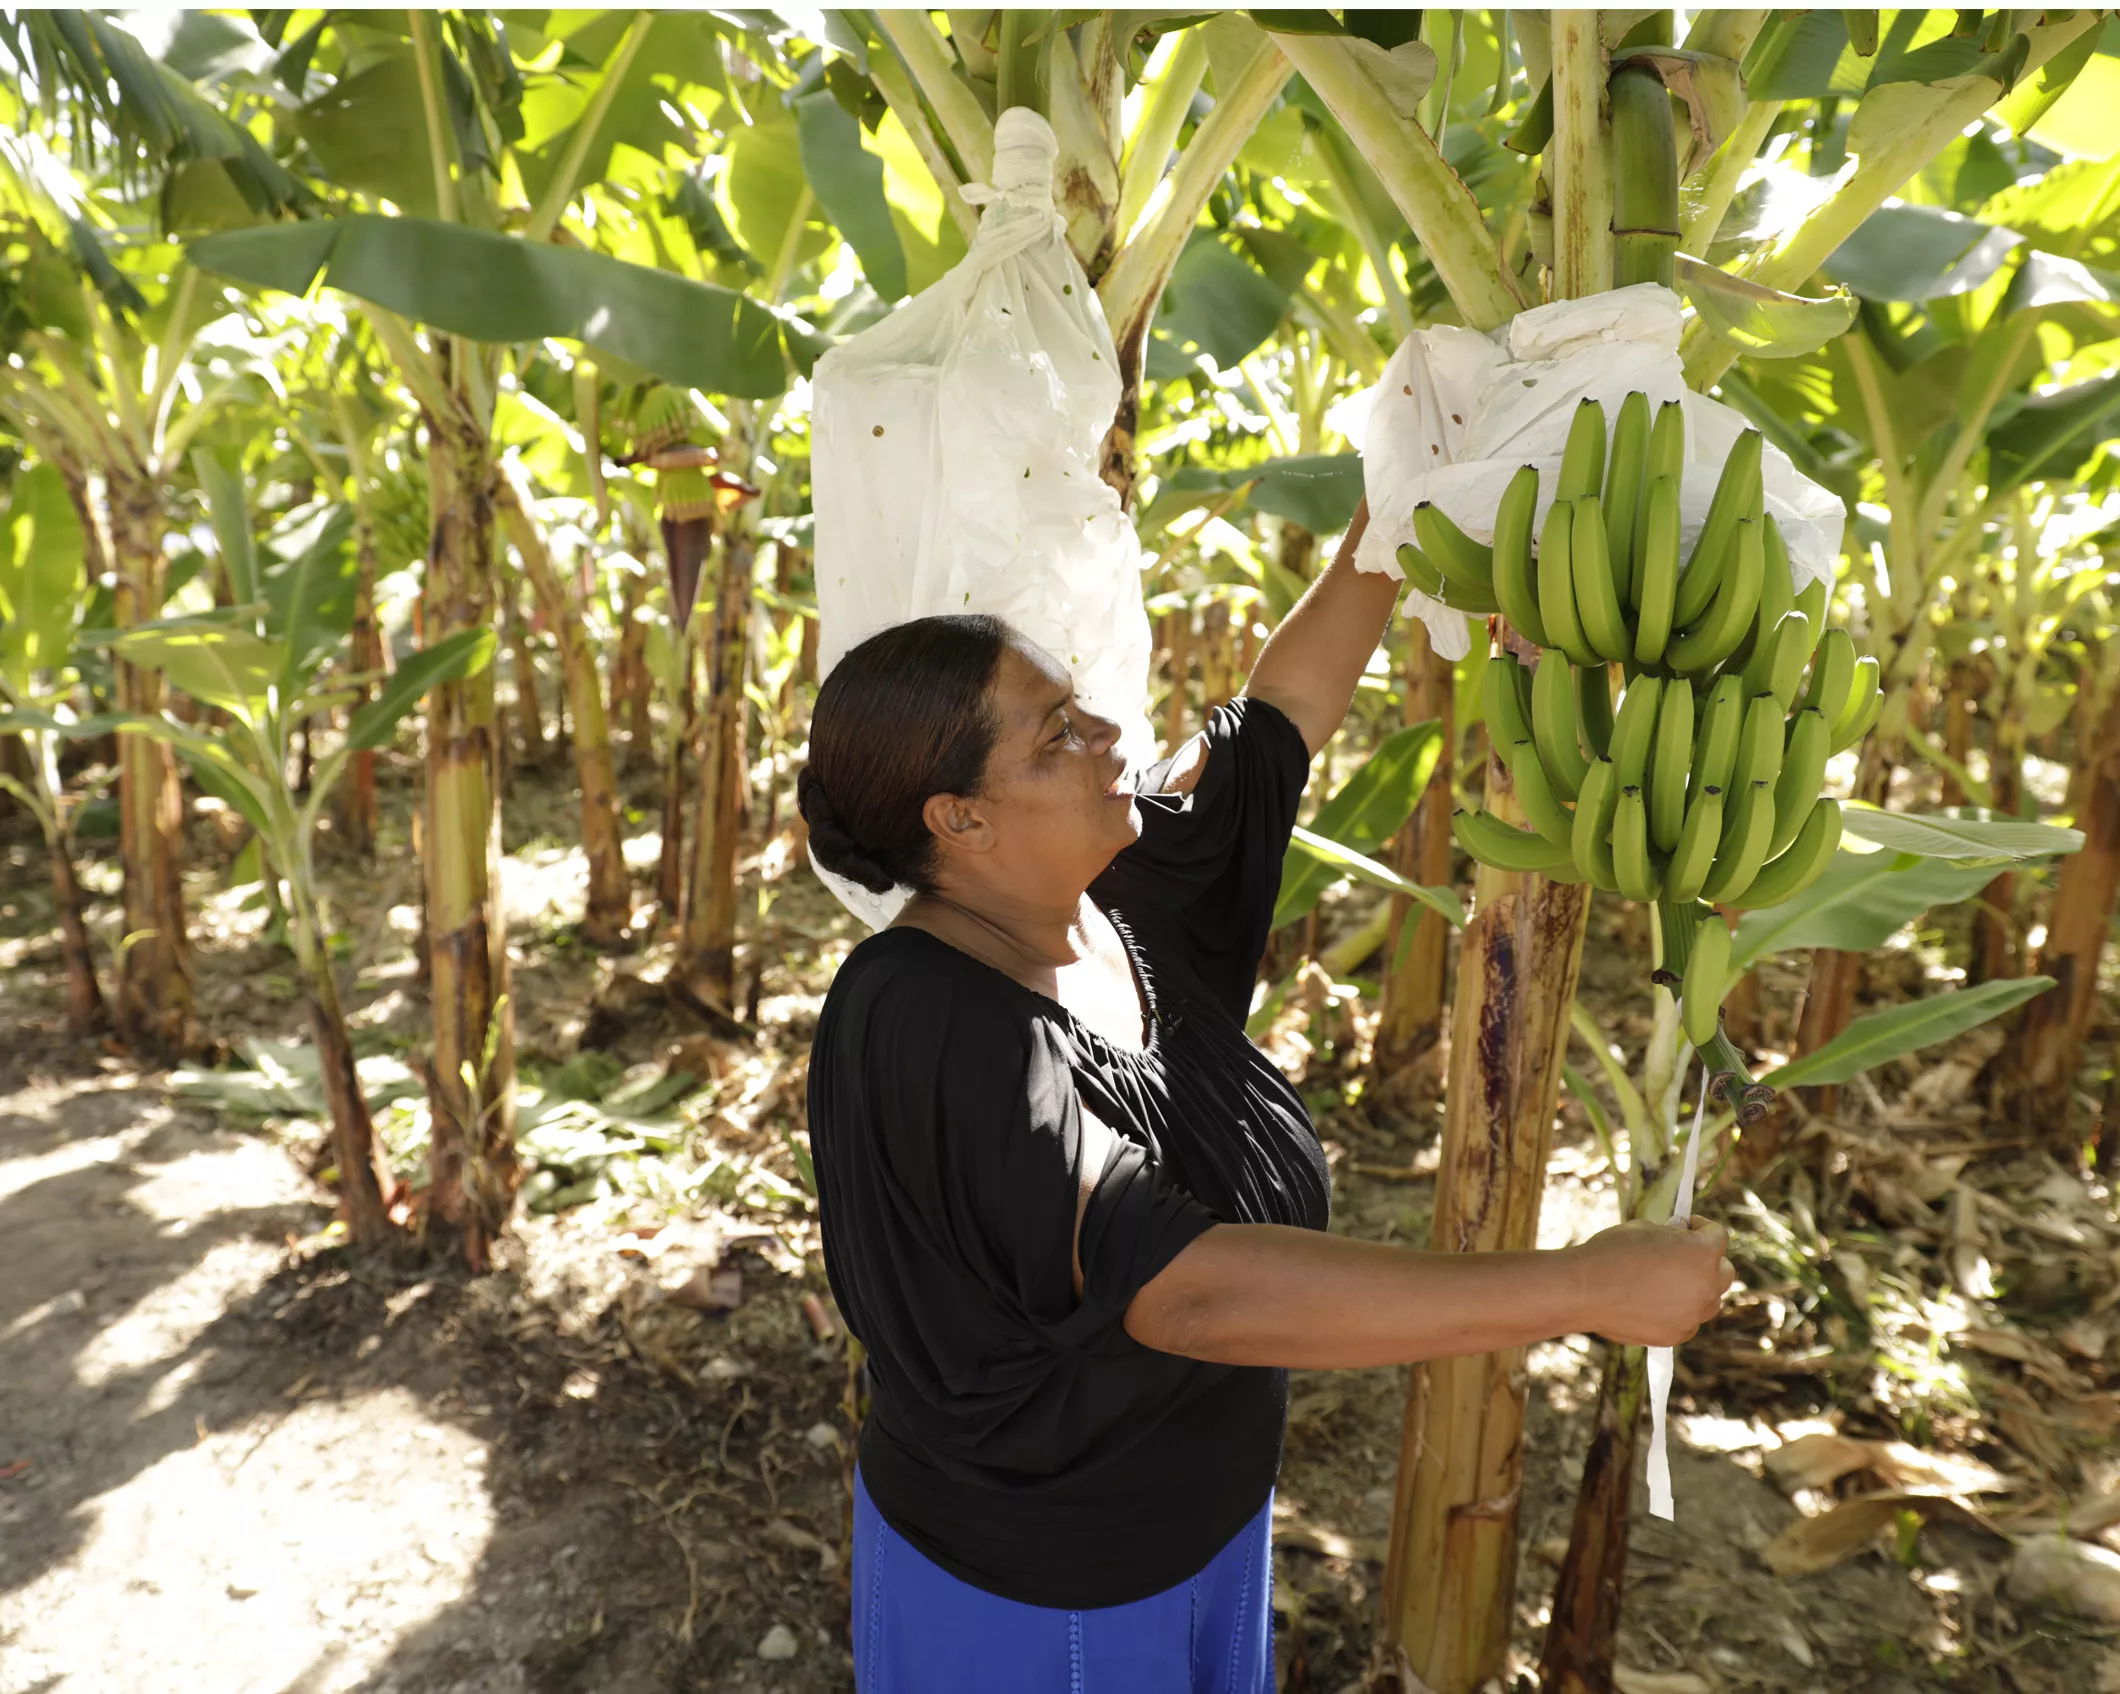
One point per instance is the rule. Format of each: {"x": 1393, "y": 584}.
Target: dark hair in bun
{"x": 903, "y": 717}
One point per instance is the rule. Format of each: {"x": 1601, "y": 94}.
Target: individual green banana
{"x": 1504, "y": 691}
{"x": 1669, "y": 764}
{"x": 1747, "y": 829}
{"x": 1504, "y": 846}
{"x": 1556, "y": 584}
{"x": 1778, "y": 662}
{"x": 1777, "y": 598}
{"x": 1759, "y": 742}
{"x": 1454, "y": 553}
{"x": 1597, "y": 603}
{"x": 1706, "y": 981}
{"x": 1812, "y": 602}
{"x": 1639, "y": 878}
{"x": 1583, "y": 459}
{"x": 1656, "y": 570}
{"x": 1832, "y": 675}
{"x": 1626, "y": 479}
{"x": 1467, "y": 596}
{"x": 1667, "y": 444}
{"x": 1735, "y": 491}
{"x": 1715, "y": 637}
{"x": 1419, "y": 571}
{"x": 1593, "y": 708}
{"x": 1535, "y": 794}
{"x": 1590, "y": 842}
{"x": 1722, "y": 720}
{"x": 1865, "y": 701}
{"x": 1694, "y": 856}
{"x": 1553, "y": 725}
{"x": 1515, "y": 576}
{"x": 1791, "y": 871}
{"x": 1803, "y": 773}
{"x": 1634, "y": 729}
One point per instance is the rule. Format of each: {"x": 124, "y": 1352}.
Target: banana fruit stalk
{"x": 1702, "y": 781}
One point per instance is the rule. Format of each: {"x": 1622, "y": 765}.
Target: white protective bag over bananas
{"x": 954, "y": 460}
{"x": 1457, "y": 412}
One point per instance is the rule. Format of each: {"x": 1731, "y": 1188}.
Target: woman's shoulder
{"x": 910, "y": 988}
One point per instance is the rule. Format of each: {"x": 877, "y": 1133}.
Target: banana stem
{"x": 1644, "y": 179}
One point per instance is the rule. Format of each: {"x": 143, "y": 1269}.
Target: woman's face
{"x": 1051, "y": 813}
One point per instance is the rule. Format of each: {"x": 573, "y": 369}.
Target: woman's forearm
{"x": 1263, "y": 1294}
{"x": 1312, "y": 662}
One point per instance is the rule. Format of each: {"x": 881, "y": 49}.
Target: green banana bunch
{"x": 1702, "y": 781}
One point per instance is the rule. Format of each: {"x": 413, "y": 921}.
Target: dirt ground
{"x": 234, "y": 1458}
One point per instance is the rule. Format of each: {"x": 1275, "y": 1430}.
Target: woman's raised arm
{"x": 1262, "y": 1294}
{"x": 1311, "y": 664}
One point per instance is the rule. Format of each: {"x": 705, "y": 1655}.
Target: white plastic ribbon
{"x": 1660, "y": 1358}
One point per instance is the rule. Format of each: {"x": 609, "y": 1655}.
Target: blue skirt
{"x": 920, "y": 1630}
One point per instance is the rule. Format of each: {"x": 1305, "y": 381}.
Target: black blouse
{"x": 1022, "y": 1440}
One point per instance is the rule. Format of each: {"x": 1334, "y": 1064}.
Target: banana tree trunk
{"x": 1995, "y": 916}
{"x": 356, "y": 800}
{"x": 1412, "y": 1017}
{"x": 1178, "y": 656}
{"x": 609, "y": 912}
{"x": 471, "y": 1090}
{"x": 670, "y": 871}
{"x": 154, "y": 972}
{"x": 630, "y": 683}
{"x": 707, "y": 943}
{"x": 529, "y": 714}
{"x": 1586, "y": 1601}
{"x": 85, "y": 1011}
{"x": 2056, "y": 1023}
{"x": 365, "y": 1185}
{"x": 1450, "y": 1581}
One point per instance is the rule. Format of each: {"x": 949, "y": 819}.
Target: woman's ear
{"x": 959, "y": 823}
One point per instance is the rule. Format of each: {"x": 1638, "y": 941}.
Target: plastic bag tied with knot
{"x": 954, "y": 460}
{"x": 1457, "y": 413}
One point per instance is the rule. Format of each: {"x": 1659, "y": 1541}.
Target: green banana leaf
{"x": 2054, "y": 436}
{"x": 309, "y": 584}
{"x": 1900, "y": 1030}
{"x": 1765, "y": 322}
{"x": 1217, "y": 303}
{"x": 1966, "y": 834}
{"x": 1365, "y": 812}
{"x": 40, "y": 576}
{"x": 491, "y": 287}
{"x": 214, "y": 663}
{"x": 229, "y": 514}
{"x": 1441, "y": 901}
{"x": 848, "y": 182}
{"x": 1319, "y": 491}
{"x": 1919, "y": 253}
{"x": 1859, "y": 903}
{"x": 465, "y": 653}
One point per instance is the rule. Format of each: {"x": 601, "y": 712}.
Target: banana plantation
{"x": 412, "y": 607}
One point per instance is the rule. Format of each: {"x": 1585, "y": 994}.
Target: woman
{"x": 1076, "y": 1218}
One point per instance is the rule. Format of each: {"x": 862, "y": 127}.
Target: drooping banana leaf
{"x": 490, "y": 287}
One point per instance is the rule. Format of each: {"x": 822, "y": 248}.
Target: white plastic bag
{"x": 954, "y": 460}
{"x": 1457, "y": 413}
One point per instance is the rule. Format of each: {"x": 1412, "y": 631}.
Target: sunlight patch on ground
{"x": 19, "y": 1174}
{"x": 174, "y": 1314}
{"x": 643, "y": 852}
{"x": 545, "y": 884}
{"x": 244, "y": 1563}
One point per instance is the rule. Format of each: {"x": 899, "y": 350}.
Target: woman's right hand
{"x": 1654, "y": 1284}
